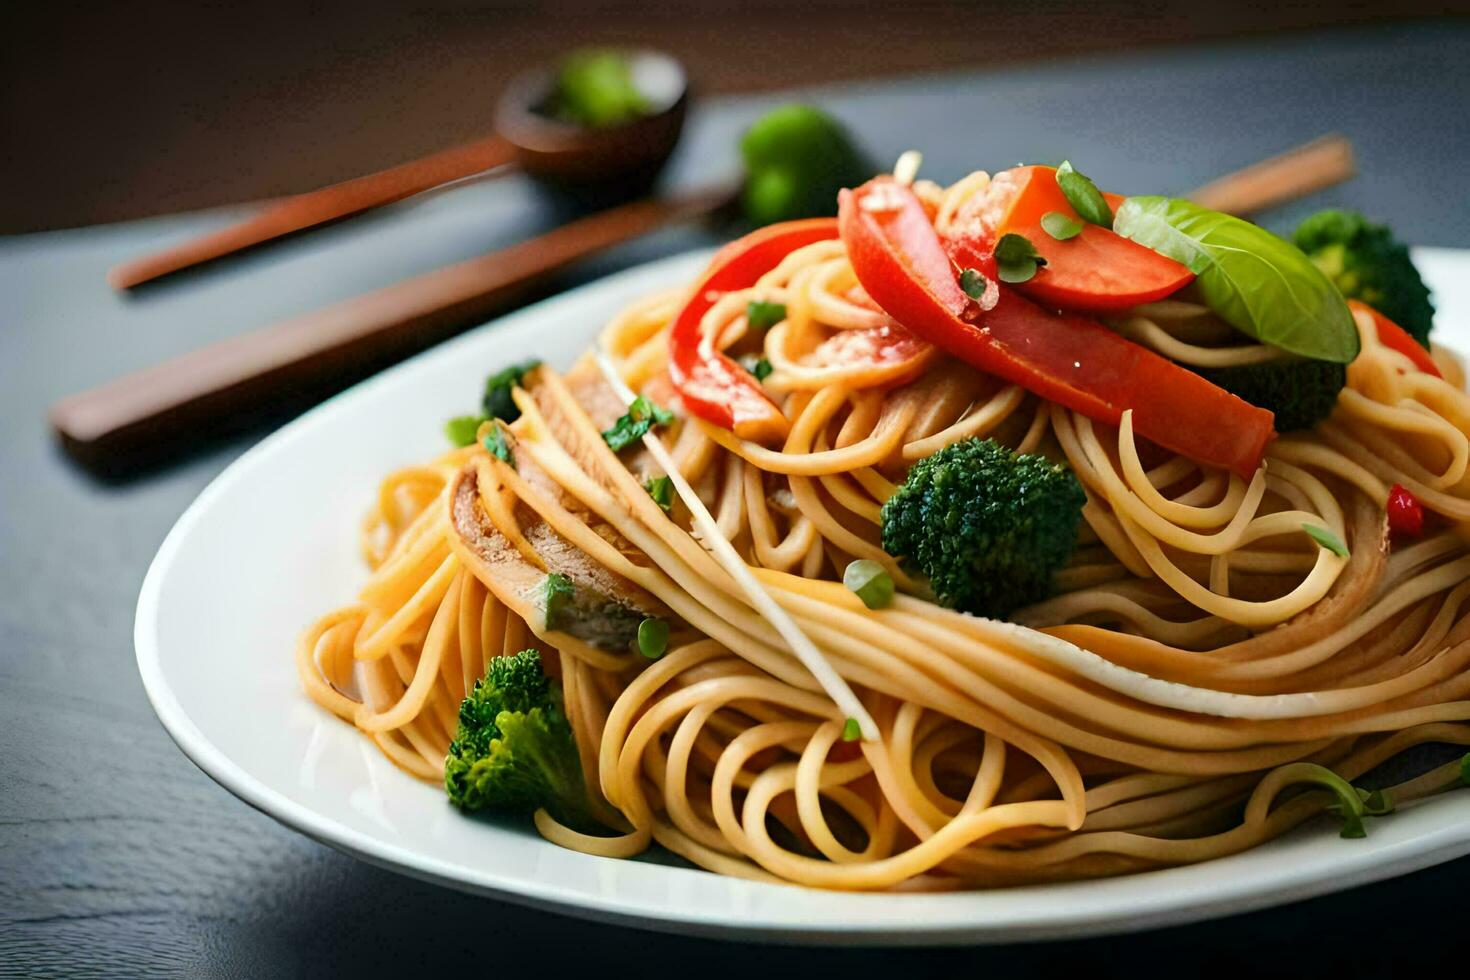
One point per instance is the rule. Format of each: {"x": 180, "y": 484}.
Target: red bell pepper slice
{"x": 1071, "y": 360}
{"x": 1097, "y": 271}
{"x": 1395, "y": 337}
{"x": 711, "y": 385}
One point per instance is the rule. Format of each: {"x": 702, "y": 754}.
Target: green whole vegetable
{"x": 595, "y": 88}
{"x": 514, "y": 751}
{"x": 1367, "y": 263}
{"x": 1258, "y": 283}
{"x": 797, "y": 158}
{"x": 987, "y": 526}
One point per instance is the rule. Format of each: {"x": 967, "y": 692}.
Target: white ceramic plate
{"x": 272, "y": 543}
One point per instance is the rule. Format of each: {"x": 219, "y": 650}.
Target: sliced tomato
{"x": 1096, "y": 271}
{"x": 711, "y": 385}
{"x": 1071, "y": 360}
{"x": 1395, "y": 337}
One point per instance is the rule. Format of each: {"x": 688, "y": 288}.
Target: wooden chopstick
{"x": 133, "y": 415}
{"x": 1308, "y": 168}
{"x": 302, "y": 211}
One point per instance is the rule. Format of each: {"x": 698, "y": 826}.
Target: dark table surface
{"x": 119, "y": 858}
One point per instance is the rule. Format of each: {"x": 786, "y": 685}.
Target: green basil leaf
{"x": 1259, "y": 284}
{"x": 1059, "y": 226}
{"x": 1084, "y": 196}
{"x": 1016, "y": 259}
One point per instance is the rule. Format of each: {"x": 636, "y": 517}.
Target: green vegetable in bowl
{"x": 1367, "y": 263}
{"x": 987, "y": 526}
{"x": 796, "y": 160}
{"x": 595, "y": 88}
{"x": 514, "y": 750}
{"x": 1258, "y": 283}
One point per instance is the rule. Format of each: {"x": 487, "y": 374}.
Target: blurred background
{"x": 118, "y": 111}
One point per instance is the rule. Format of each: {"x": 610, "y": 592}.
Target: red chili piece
{"x": 1405, "y": 512}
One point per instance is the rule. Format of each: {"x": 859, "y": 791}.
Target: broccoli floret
{"x": 514, "y": 750}
{"x": 988, "y": 526}
{"x": 796, "y": 160}
{"x": 1367, "y": 263}
{"x": 1300, "y": 392}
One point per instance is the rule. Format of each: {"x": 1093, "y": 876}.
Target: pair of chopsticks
{"x": 135, "y": 413}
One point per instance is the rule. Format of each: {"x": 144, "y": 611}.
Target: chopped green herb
{"x": 1016, "y": 259}
{"x": 596, "y": 88}
{"x": 1084, "y": 196}
{"x": 661, "y": 489}
{"x": 870, "y": 582}
{"x": 974, "y": 283}
{"x": 556, "y": 592}
{"x": 641, "y": 416}
{"x": 494, "y": 441}
{"x": 461, "y": 429}
{"x": 653, "y": 638}
{"x": 1326, "y": 539}
{"x": 757, "y": 365}
{"x": 1059, "y": 226}
{"x": 497, "y": 401}
{"x": 851, "y": 730}
{"x": 762, "y": 315}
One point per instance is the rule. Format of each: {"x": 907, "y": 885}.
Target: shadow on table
{"x": 369, "y": 922}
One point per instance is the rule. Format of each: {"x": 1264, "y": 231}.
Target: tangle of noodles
{"x": 1149, "y": 713}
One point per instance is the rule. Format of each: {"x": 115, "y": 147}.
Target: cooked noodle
{"x": 1149, "y": 713}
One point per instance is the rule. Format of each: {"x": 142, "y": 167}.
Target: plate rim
{"x": 1153, "y": 908}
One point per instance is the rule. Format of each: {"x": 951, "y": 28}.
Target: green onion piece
{"x": 851, "y": 730}
{"x": 556, "y": 591}
{"x": 661, "y": 489}
{"x": 1326, "y": 539}
{"x": 973, "y": 282}
{"x": 1016, "y": 259}
{"x": 761, "y": 315}
{"x": 1059, "y": 226}
{"x": 1350, "y": 799}
{"x": 653, "y": 638}
{"x": 1084, "y": 196}
{"x": 461, "y": 429}
{"x": 641, "y": 416}
{"x": 1465, "y": 769}
{"x": 497, "y": 401}
{"x": 1376, "y": 803}
{"x": 495, "y": 442}
{"x": 870, "y": 582}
